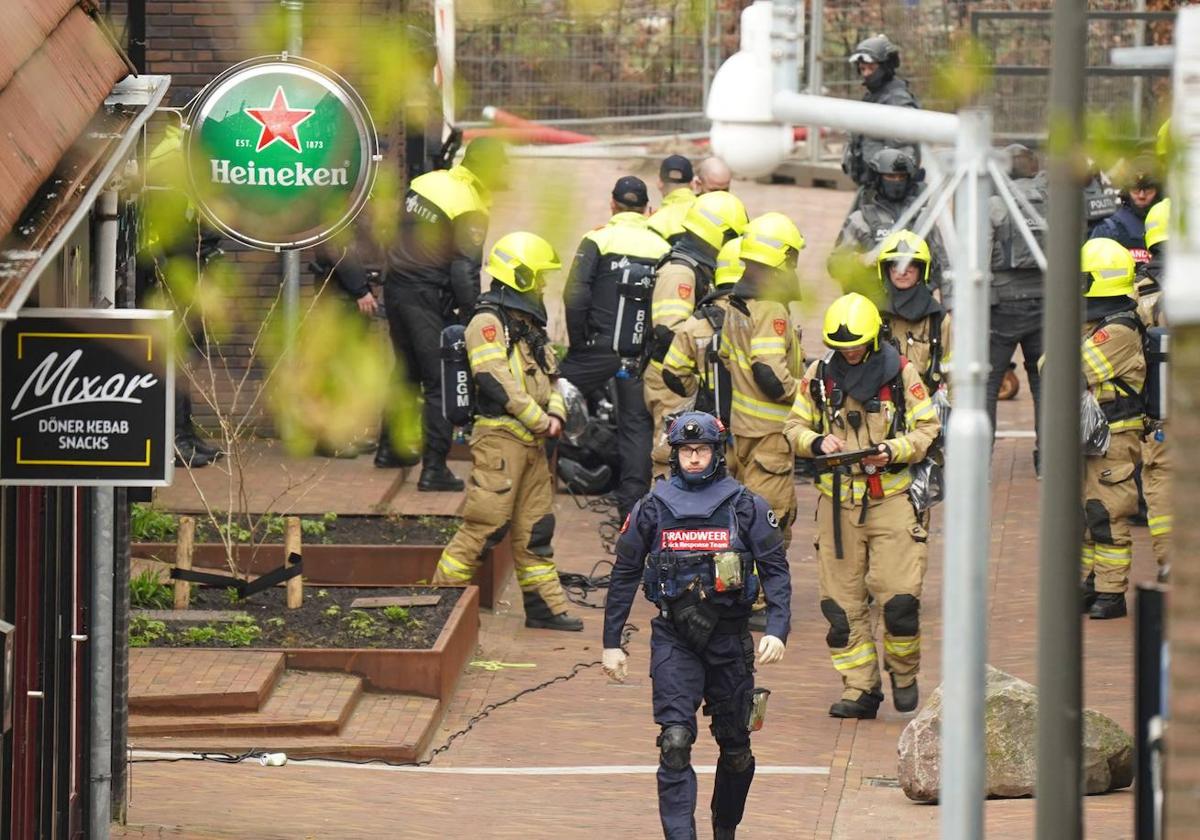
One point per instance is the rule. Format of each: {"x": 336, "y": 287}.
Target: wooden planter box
{"x": 352, "y": 565}
{"x": 429, "y": 673}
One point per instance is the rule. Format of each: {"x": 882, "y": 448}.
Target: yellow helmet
{"x": 1162, "y": 140}
{"x": 519, "y": 259}
{"x": 1156, "y": 223}
{"x": 716, "y": 217}
{"x": 903, "y": 247}
{"x": 1108, "y": 268}
{"x": 852, "y": 321}
{"x": 770, "y": 239}
{"x": 729, "y": 263}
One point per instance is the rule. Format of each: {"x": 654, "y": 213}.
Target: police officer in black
{"x": 626, "y": 244}
{"x": 700, "y": 544}
{"x": 433, "y": 281}
{"x": 876, "y": 59}
{"x": 1017, "y": 282}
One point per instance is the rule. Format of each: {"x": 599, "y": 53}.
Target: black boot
{"x": 1108, "y": 605}
{"x": 864, "y": 708}
{"x": 722, "y": 833}
{"x": 1089, "y": 592}
{"x": 387, "y": 458}
{"x": 905, "y": 698}
{"x": 538, "y": 615}
{"x": 188, "y": 455}
{"x": 437, "y": 478}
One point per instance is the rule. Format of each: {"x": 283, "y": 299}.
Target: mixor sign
{"x": 88, "y": 398}
{"x": 281, "y": 152}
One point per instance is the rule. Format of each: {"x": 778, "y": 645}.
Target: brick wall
{"x": 193, "y": 41}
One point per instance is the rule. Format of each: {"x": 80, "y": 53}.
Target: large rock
{"x": 1011, "y": 744}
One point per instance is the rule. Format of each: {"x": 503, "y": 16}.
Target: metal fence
{"x": 551, "y": 60}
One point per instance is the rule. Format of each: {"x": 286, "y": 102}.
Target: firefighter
{"x": 1114, "y": 367}
{"x": 864, "y": 397}
{"x": 1155, "y": 461}
{"x": 518, "y": 407}
{"x": 684, "y": 277}
{"x": 592, "y": 298}
{"x": 1156, "y": 468}
{"x": 701, "y": 545}
{"x": 876, "y": 59}
{"x": 913, "y": 320}
{"x": 757, "y": 343}
{"x": 691, "y": 368}
{"x": 433, "y": 281}
{"x": 676, "y": 182}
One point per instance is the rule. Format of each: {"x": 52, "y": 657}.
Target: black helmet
{"x": 892, "y": 162}
{"x": 1022, "y": 161}
{"x": 878, "y": 49}
{"x": 694, "y": 427}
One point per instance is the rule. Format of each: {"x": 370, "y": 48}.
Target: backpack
{"x": 1130, "y": 402}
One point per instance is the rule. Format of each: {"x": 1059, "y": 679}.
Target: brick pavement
{"x": 165, "y": 679}
{"x": 587, "y": 722}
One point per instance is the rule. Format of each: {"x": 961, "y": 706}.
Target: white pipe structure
{"x": 290, "y": 296}
{"x": 1182, "y": 292}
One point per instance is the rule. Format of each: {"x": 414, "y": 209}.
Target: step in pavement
{"x": 391, "y": 727}
{"x": 301, "y": 703}
{"x": 174, "y": 681}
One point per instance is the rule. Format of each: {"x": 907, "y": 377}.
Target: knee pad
{"x": 540, "y": 536}
{"x": 495, "y": 537}
{"x": 736, "y": 759}
{"x": 902, "y": 615}
{"x": 675, "y": 747}
{"x": 1095, "y": 516}
{"x": 839, "y": 625}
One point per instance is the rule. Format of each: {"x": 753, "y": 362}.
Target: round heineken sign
{"x": 281, "y": 153}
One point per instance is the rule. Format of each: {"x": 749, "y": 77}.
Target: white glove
{"x": 770, "y": 650}
{"x": 613, "y": 664}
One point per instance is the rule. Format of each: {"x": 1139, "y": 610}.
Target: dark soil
{"x": 317, "y": 624}
{"x": 358, "y": 530}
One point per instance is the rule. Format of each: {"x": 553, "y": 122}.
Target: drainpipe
{"x": 100, "y": 631}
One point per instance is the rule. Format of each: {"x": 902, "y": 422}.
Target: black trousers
{"x": 1015, "y": 323}
{"x": 417, "y": 313}
{"x": 588, "y": 370}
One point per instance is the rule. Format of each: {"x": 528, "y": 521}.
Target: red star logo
{"x": 279, "y": 122}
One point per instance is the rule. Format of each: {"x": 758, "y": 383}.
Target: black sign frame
{"x": 87, "y": 367}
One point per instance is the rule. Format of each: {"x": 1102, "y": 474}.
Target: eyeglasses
{"x": 694, "y": 450}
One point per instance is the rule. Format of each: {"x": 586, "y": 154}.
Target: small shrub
{"x": 312, "y": 527}
{"x": 397, "y": 615}
{"x": 361, "y": 624}
{"x": 232, "y": 595}
{"x": 199, "y": 635}
{"x": 322, "y": 593}
{"x": 148, "y": 592}
{"x": 241, "y": 632}
{"x": 149, "y": 524}
{"x": 144, "y": 631}
{"x": 333, "y": 610}
{"x": 275, "y": 622}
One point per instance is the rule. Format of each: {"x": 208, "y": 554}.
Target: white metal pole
{"x": 965, "y": 563}
{"x": 816, "y": 71}
{"x": 100, "y": 623}
{"x": 445, "y": 34}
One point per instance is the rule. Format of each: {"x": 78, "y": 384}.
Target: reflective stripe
{"x": 677, "y": 358}
{"x": 739, "y": 358}
{"x": 855, "y": 487}
{"x": 541, "y": 573}
{"x": 518, "y": 372}
{"x": 1159, "y": 525}
{"x": 856, "y": 657}
{"x": 532, "y": 415}
{"x": 1129, "y": 423}
{"x": 758, "y": 408}
{"x": 452, "y": 568}
{"x": 1097, "y": 362}
{"x": 556, "y": 405}
{"x": 921, "y": 411}
{"x": 902, "y": 449}
{"x": 770, "y": 346}
{"x": 673, "y": 306}
{"x": 897, "y": 647}
{"x": 1114, "y": 555}
{"x": 510, "y": 424}
{"x": 1087, "y": 557}
{"x": 485, "y": 353}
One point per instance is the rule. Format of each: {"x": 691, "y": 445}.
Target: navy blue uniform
{"x": 666, "y": 543}
{"x": 1128, "y": 228}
